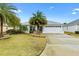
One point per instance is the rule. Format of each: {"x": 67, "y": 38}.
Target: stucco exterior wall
{"x": 71, "y": 28}
{"x": 6, "y": 28}
{"x": 77, "y": 27}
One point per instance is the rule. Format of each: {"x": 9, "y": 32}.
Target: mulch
{"x": 39, "y": 36}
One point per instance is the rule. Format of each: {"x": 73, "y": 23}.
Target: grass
{"x": 22, "y": 45}
{"x": 72, "y": 34}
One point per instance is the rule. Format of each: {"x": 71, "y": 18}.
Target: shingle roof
{"x": 50, "y": 23}
{"x": 25, "y": 23}
{"x": 72, "y": 23}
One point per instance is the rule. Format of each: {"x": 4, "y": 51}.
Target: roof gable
{"x": 50, "y": 23}
{"x": 72, "y": 23}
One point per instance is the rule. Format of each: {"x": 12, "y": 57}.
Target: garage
{"x": 52, "y": 30}
{"x": 53, "y": 27}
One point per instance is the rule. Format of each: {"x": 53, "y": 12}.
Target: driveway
{"x": 61, "y": 45}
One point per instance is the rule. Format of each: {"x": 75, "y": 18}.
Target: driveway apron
{"x": 61, "y": 45}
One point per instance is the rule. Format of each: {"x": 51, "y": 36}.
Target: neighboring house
{"x": 5, "y": 27}
{"x": 51, "y": 27}
{"x": 72, "y": 26}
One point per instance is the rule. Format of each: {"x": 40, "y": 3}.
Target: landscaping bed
{"x": 22, "y": 45}
{"x": 38, "y": 35}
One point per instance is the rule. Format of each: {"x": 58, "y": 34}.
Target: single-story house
{"x": 6, "y": 27}
{"x": 72, "y": 26}
{"x": 54, "y": 27}
{"x": 51, "y": 27}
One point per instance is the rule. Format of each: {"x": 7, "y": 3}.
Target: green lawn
{"x": 22, "y": 45}
{"x": 75, "y": 35}
{"x": 72, "y": 34}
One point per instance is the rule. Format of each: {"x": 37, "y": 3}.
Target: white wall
{"x": 70, "y": 28}
{"x": 77, "y": 27}
{"x": 6, "y": 28}
{"x": 65, "y": 28}
{"x": 53, "y": 30}
{"x": 28, "y": 27}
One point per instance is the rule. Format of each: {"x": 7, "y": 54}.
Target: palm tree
{"x": 38, "y": 20}
{"x": 23, "y": 28}
{"x": 7, "y": 16}
{"x": 14, "y": 21}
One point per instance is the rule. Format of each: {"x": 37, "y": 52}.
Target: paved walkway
{"x": 61, "y": 45}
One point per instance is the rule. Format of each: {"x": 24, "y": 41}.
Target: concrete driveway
{"x": 61, "y": 45}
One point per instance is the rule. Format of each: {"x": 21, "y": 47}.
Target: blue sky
{"x": 58, "y": 12}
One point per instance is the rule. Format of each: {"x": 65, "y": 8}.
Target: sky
{"x": 58, "y": 12}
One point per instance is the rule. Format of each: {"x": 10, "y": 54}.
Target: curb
{"x": 44, "y": 47}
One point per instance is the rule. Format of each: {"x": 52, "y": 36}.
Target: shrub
{"x": 32, "y": 29}
{"x": 69, "y": 33}
{"x": 76, "y": 32}
{"x": 12, "y": 31}
{"x": 23, "y": 28}
{"x": 18, "y": 32}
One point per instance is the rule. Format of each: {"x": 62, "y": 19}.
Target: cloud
{"x": 76, "y": 9}
{"x": 51, "y": 7}
{"x": 17, "y": 11}
{"x": 74, "y": 13}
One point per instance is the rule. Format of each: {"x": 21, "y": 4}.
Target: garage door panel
{"x": 52, "y": 30}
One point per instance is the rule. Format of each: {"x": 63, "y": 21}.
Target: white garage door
{"x": 53, "y": 30}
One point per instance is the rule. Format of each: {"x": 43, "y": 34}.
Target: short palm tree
{"x": 38, "y": 20}
{"x": 7, "y": 16}
{"x": 23, "y": 28}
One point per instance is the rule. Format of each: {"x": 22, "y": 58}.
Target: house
{"x": 72, "y": 26}
{"x": 54, "y": 27}
{"x": 6, "y": 27}
{"x": 51, "y": 27}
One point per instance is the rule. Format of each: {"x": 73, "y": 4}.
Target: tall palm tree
{"x": 7, "y": 16}
{"x": 14, "y": 21}
{"x": 38, "y": 20}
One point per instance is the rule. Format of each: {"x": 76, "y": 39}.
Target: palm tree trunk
{"x": 31, "y": 29}
{"x": 38, "y": 30}
{"x": 1, "y": 34}
{"x": 41, "y": 29}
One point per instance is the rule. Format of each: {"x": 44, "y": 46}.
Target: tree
{"x": 64, "y": 23}
{"x": 23, "y": 28}
{"x": 38, "y": 20}
{"x": 7, "y": 16}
